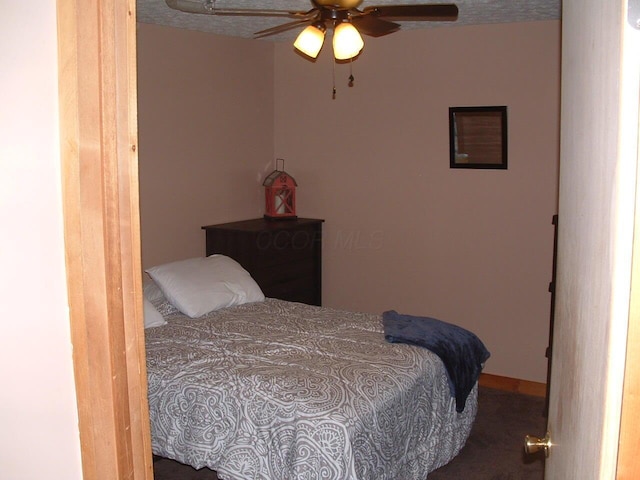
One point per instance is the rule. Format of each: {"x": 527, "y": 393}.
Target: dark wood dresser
{"x": 283, "y": 256}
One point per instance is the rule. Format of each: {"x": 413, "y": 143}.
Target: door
{"x": 598, "y": 159}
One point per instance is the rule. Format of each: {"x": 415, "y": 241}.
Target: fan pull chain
{"x": 351, "y": 78}
{"x": 333, "y": 95}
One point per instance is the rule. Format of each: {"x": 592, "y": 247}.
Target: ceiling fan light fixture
{"x": 347, "y": 41}
{"x": 310, "y": 40}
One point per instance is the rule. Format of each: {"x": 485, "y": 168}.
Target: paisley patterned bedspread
{"x": 286, "y": 391}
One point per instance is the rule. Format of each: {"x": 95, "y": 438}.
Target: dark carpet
{"x": 494, "y": 450}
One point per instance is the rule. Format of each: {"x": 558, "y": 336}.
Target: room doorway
{"x": 99, "y": 137}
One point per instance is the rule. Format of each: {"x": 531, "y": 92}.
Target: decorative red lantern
{"x": 280, "y": 194}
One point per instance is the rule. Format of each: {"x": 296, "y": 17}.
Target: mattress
{"x": 279, "y": 391}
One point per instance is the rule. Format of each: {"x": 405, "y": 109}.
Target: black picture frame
{"x": 478, "y": 137}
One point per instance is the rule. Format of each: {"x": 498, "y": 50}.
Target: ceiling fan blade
{"x": 441, "y": 12}
{"x": 374, "y": 26}
{"x": 206, "y": 8}
{"x": 281, "y": 28}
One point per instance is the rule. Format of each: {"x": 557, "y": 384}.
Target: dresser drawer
{"x": 275, "y": 248}
{"x": 296, "y": 290}
{"x": 285, "y": 272}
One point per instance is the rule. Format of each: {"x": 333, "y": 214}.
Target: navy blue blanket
{"x": 462, "y": 353}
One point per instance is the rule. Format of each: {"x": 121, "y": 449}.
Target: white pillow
{"x": 152, "y": 317}
{"x": 197, "y": 286}
{"x": 151, "y": 291}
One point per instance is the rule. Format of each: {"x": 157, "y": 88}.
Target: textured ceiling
{"x": 470, "y": 12}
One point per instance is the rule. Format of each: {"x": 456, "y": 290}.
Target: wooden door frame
{"x": 98, "y": 137}
{"x": 628, "y": 459}
{"x": 628, "y": 467}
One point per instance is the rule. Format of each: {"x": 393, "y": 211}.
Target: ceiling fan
{"x": 344, "y": 16}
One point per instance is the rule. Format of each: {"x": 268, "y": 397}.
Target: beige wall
{"x": 205, "y": 110}
{"x": 39, "y": 436}
{"x": 403, "y": 231}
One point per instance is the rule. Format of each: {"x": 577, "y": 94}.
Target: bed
{"x": 276, "y": 390}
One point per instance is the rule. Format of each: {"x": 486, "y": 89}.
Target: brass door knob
{"x": 534, "y": 444}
